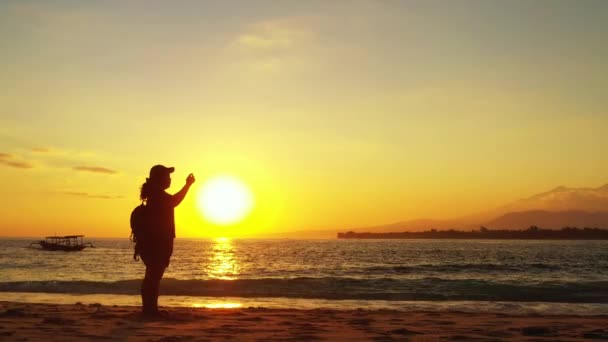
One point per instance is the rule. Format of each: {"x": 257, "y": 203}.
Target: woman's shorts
{"x": 156, "y": 253}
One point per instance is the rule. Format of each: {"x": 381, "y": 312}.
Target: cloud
{"x": 16, "y": 164}
{"x": 25, "y": 155}
{"x": 273, "y": 35}
{"x": 8, "y": 160}
{"x": 50, "y": 18}
{"x": 88, "y": 195}
{"x": 274, "y": 45}
{"x": 60, "y": 153}
{"x": 564, "y": 198}
{"x": 95, "y": 169}
{"x": 265, "y": 41}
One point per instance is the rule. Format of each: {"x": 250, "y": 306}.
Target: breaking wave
{"x": 434, "y": 289}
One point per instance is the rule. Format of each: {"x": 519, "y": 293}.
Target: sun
{"x": 225, "y": 200}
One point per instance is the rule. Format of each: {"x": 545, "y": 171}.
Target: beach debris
{"x": 536, "y": 331}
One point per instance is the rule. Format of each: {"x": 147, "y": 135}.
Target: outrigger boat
{"x": 69, "y": 243}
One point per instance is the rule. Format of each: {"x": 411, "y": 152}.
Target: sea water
{"x": 477, "y": 275}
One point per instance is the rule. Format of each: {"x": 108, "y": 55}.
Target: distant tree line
{"x": 532, "y": 233}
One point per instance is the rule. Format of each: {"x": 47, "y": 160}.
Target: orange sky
{"x": 336, "y": 114}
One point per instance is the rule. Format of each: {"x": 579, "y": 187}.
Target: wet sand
{"x": 96, "y": 322}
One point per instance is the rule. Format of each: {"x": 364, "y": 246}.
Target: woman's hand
{"x": 190, "y": 179}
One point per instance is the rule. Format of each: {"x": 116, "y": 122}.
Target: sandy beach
{"x": 81, "y": 322}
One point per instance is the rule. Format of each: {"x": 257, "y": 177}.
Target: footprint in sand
{"x": 360, "y": 322}
{"x": 7, "y": 333}
{"x": 403, "y": 331}
{"x": 536, "y": 331}
{"x": 58, "y": 321}
{"x": 599, "y": 334}
{"x": 14, "y": 312}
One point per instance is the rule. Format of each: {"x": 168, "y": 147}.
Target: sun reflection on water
{"x": 222, "y": 264}
{"x": 227, "y": 305}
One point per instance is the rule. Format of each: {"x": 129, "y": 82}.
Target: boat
{"x": 68, "y": 243}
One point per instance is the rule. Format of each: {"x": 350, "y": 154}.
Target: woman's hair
{"x": 153, "y": 186}
{"x": 144, "y": 191}
{"x": 147, "y": 189}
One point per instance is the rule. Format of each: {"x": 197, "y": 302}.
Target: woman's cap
{"x": 159, "y": 171}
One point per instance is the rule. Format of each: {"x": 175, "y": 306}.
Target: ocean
{"x": 466, "y": 275}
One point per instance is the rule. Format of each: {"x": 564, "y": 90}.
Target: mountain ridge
{"x": 557, "y": 208}
{"x": 554, "y": 209}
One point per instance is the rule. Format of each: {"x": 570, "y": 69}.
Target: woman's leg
{"x": 155, "y": 293}
{"x": 150, "y": 288}
{"x": 155, "y": 270}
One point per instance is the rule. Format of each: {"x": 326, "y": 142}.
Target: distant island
{"x": 532, "y": 233}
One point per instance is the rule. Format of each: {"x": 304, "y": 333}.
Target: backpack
{"x": 138, "y": 226}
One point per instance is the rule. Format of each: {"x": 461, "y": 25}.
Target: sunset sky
{"x": 336, "y": 114}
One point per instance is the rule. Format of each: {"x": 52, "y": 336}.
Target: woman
{"x": 156, "y": 243}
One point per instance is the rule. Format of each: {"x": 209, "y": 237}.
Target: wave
{"x": 340, "y": 288}
{"x": 462, "y": 268}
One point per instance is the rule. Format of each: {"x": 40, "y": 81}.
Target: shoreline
{"x": 506, "y": 307}
{"x": 60, "y": 322}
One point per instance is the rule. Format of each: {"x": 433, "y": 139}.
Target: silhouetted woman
{"x": 156, "y": 244}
